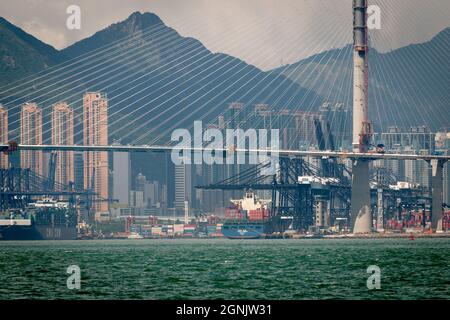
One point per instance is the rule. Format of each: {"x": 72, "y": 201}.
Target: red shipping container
{"x": 234, "y": 213}
{"x": 258, "y": 215}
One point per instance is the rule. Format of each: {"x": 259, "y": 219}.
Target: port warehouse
{"x": 402, "y": 217}
{"x": 151, "y": 227}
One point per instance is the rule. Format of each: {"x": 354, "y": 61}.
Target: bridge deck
{"x": 281, "y": 153}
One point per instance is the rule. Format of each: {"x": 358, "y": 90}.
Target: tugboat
{"x": 135, "y": 235}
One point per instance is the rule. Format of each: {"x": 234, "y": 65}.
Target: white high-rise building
{"x": 137, "y": 199}
{"x": 418, "y": 171}
{"x": 183, "y": 185}
{"x": 121, "y": 177}
{"x": 152, "y": 193}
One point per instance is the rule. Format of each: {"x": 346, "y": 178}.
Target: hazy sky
{"x": 266, "y": 33}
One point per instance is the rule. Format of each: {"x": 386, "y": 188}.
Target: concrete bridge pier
{"x": 380, "y": 210}
{"x": 437, "y": 197}
{"x": 361, "y": 216}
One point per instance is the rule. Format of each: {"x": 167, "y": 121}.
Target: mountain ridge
{"x": 22, "y": 54}
{"x": 197, "y": 82}
{"x": 408, "y": 85}
{"x": 170, "y": 83}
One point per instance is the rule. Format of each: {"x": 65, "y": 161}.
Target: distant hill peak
{"x": 137, "y": 21}
{"x": 144, "y": 17}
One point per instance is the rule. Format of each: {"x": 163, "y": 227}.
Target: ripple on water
{"x": 224, "y": 269}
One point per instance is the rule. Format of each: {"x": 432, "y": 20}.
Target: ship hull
{"x": 38, "y": 232}
{"x": 241, "y": 230}
{"x": 244, "y": 229}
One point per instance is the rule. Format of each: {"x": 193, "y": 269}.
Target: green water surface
{"x": 226, "y": 269}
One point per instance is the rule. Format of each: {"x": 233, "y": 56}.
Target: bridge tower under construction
{"x": 361, "y": 220}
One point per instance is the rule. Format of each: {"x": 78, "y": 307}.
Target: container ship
{"x": 43, "y": 220}
{"x": 250, "y": 218}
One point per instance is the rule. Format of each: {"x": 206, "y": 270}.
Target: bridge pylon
{"x": 437, "y": 197}
{"x": 361, "y": 218}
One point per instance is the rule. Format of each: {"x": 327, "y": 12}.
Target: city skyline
{"x": 62, "y": 131}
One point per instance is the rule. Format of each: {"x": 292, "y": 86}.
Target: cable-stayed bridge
{"x": 436, "y": 161}
{"x": 156, "y": 116}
